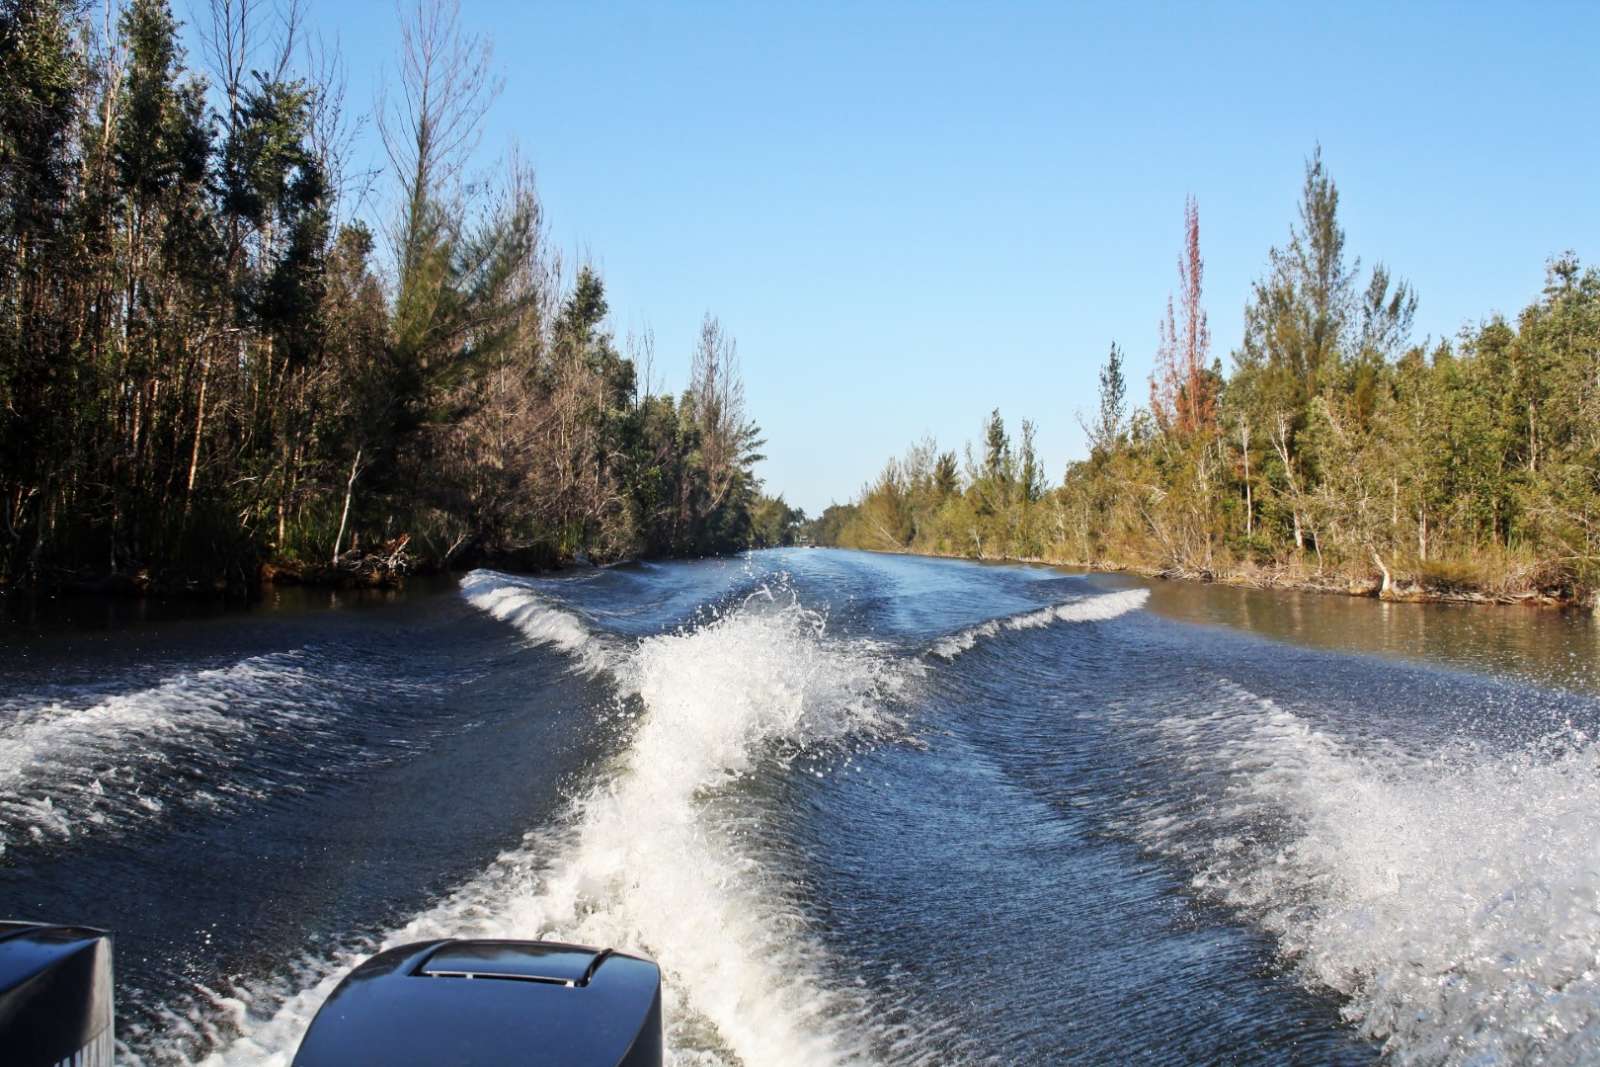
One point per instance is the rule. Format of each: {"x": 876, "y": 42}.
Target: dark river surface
{"x": 861, "y": 808}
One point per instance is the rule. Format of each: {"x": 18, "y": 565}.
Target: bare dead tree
{"x": 334, "y": 131}
{"x": 233, "y": 35}
{"x": 728, "y": 437}
{"x": 1182, "y": 397}
{"x": 445, "y": 86}
{"x": 227, "y": 40}
{"x": 290, "y": 15}
{"x": 641, "y": 348}
{"x": 1280, "y": 438}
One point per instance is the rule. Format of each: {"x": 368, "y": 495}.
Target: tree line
{"x": 223, "y": 342}
{"x": 1335, "y": 449}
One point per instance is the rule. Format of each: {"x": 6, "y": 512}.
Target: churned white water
{"x": 1454, "y": 899}
{"x": 513, "y": 600}
{"x": 643, "y": 863}
{"x": 1100, "y": 608}
{"x": 71, "y": 763}
{"x": 1425, "y": 871}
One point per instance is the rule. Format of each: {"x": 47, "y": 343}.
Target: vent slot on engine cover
{"x": 568, "y": 965}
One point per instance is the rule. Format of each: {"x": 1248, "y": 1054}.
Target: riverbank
{"x": 386, "y": 566}
{"x": 1404, "y": 587}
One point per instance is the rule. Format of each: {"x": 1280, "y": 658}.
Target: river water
{"x": 861, "y": 808}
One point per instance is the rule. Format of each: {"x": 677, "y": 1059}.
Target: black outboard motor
{"x": 475, "y": 1003}
{"x": 55, "y": 996}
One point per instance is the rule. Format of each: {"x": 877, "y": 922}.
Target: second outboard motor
{"x": 55, "y": 996}
{"x": 476, "y": 1003}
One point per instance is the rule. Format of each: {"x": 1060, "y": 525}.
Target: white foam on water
{"x": 644, "y": 863}
{"x": 69, "y": 766}
{"x": 1100, "y": 608}
{"x": 513, "y": 600}
{"x": 1453, "y": 899}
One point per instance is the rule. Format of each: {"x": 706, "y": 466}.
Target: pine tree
{"x": 1031, "y": 472}
{"x": 1107, "y": 431}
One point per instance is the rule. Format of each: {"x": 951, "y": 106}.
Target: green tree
{"x": 1107, "y": 429}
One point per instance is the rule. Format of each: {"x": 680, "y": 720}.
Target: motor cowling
{"x": 470, "y": 1003}
{"x": 55, "y": 996}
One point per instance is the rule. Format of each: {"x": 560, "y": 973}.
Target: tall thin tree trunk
{"x": 1533, "y": 440}
{"x": 344, "y": 516}
{"x": 1249, "y": 502}
{"x": 199, "y": 432}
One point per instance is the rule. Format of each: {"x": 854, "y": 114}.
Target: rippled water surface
{"x": 862, "y": 809}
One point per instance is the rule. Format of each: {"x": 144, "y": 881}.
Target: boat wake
{"x": 656, "y": 856}
{"x": 73, "y": 763}
{"x": 1100, "y": 608}
{"x": 516, "y": 601}
{"x": 1453, "y": 899}
{"x": 1393, "y": 837}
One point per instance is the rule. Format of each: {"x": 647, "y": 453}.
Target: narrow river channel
{"x": 861, "y": 808}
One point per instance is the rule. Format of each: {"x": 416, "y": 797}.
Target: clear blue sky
{"x": 910, "y": 213}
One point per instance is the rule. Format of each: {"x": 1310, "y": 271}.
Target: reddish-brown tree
{"x": 1183, "y": 395}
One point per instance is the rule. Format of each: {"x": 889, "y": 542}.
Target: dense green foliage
{"x": 205, "y": 360}
{"x": 773, "y": 523}
{"x": 1335, "y": 449}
